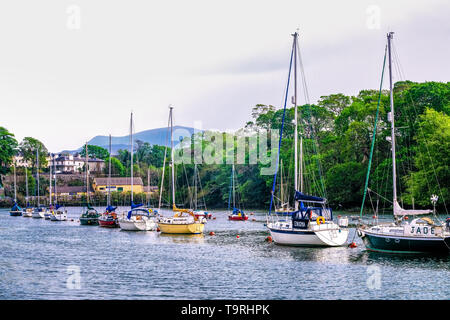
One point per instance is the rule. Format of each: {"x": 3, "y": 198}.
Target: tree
{"x": 28, "y": 148}
{"x": 431, "y": 159}
{"x": 8, "y": 145}
{"x": 117, "y": 168}
{"x": 95, "y": 152}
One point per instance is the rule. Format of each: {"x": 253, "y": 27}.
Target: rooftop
{"x": 118, "y": 181}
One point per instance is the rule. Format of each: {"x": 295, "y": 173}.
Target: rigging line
{"x": 281, "y": 130}
{"x": 426, "y": 145}
{"x": 374, "y": 134}
{"x": 308, "y": 103}
{"x": 370, "y": 190}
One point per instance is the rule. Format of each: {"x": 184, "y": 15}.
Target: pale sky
{"x": 65, "y": 78}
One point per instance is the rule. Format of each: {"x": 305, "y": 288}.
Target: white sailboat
{"x": 138, "y": 218}
{"x": 38, "y": 212}
{"x": 183, "y": 221}
{"x": 49, "y": 211}
{"x": 28, "y": 211}
{"x": 310, "y": 225}
{"x": 421, "y": 235}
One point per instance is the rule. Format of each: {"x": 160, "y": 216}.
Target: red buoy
{"x": 212, "y": 233}
{"x": 214, "y": 218}
{"x": 406, "y": 218}
{"x": 339, "y": 216}
{"x": 374, "y": 217}
{"x": 237, "y": 236}
{"x": 352, "y": 245}
{"x": 269, "y": 239}
{"x": 158, "y": 230}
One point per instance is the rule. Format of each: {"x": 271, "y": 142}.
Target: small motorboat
{"x": 238, "y": 215}
{"x": 109, "y": 218}
{"x": 48, "y": 214}
{"x": 202, "y": 214}
{"x": 139, "y": 219}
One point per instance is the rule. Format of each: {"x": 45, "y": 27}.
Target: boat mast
{"x": 173, "y": 164}
{"x": 164, "y": 167}
{"x": 234, "y": 194}
{"x": 37, "y": 175}
{"x": 390, "y": 36}
{"x": 195, "y": 186}
{"x": 109, "y": 174}
{"x": 87, "y": 173}
{"x": 50, "y": 185}
{"x": 298, "y": 174}
{"x": 54, "y": 170}
{"x": 15, "y": 183}
{"x": 26, "y": 185}
{"x": 131, "y": 154}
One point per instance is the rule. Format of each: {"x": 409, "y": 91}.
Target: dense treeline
{"x": 337, "y": 134}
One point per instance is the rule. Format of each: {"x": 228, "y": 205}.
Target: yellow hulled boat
{"x": 183, "y": 221}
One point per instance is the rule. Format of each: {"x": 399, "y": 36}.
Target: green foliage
{"x": 8, "y": 145}
{"x": 95, "y": 152}
{"x": 28, "y": 148}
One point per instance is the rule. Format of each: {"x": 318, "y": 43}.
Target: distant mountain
{"x": 153, "y": 136}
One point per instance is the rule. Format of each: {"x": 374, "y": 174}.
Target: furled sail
{"x": 399, "y": 211}
{"x": 299, "y": 196}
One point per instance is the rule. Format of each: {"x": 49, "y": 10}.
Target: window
{"x": 120, "y": 189}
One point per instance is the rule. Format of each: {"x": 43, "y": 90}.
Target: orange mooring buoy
{"x": 212, "y": 233}
{"x": 374, "y": 217}
{"x": 269, "y": 239}
{"x": 352, "y": 245}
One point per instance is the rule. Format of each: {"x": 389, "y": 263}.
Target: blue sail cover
{"x": 110, "y": 208}
{"x": 134, "y": 206}
{"x": 57, "y": 206}
{"x": 16, "y": 207}
{"x": 144, "y": 212}
{"x": 236, "y": 211}
{"x": 304, "y": 197}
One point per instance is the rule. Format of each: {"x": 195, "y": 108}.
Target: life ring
{"x": 320, "y": 220}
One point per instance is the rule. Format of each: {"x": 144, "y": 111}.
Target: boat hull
{"x": 237, "y": 218}
{"x": 191, "y": 228}
{"x": 15, "y": 213}
{"x": 108, "y": 223}
{"x": 59, "y": 216}
{"x": 89, "y": 221}
{"x": 316, "y": 237}
{"x": 403, "y": 244}
{"x": 37, "y": 215}
{"x": 27, "y": 214}
{"x": 139, "y": 225}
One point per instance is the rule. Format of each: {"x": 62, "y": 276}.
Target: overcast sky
{"x": 66, "y": 77}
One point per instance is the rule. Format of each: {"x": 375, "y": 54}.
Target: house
{"x": 70, "y": 191}
{"x": 19, "y": 161}
{"x": 73, "y": 163}
{"x": 118, "y": 184}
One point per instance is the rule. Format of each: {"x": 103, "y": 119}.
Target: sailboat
{"x": 90, "y": 216}
{"x": 183, "y": 221}
{"x": 195, "y": 205}
{"x": 421, "y": 235}
{"x": 28, "y": 211}
{"x": 304, "y": 225}
{"x": 138, "y": 218}
{"x": 57, "y": 213}
{"x": 109, "y": 217}
{"x": 49, "y": 211}
{"x": 237, "y": 214}
{"x": 38, "y": 211}
{"x": 15, "y": 210}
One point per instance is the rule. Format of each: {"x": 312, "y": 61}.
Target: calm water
{"x": 115, "y": 264}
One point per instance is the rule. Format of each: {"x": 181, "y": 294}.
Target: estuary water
{"x": 42, "y": 259}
